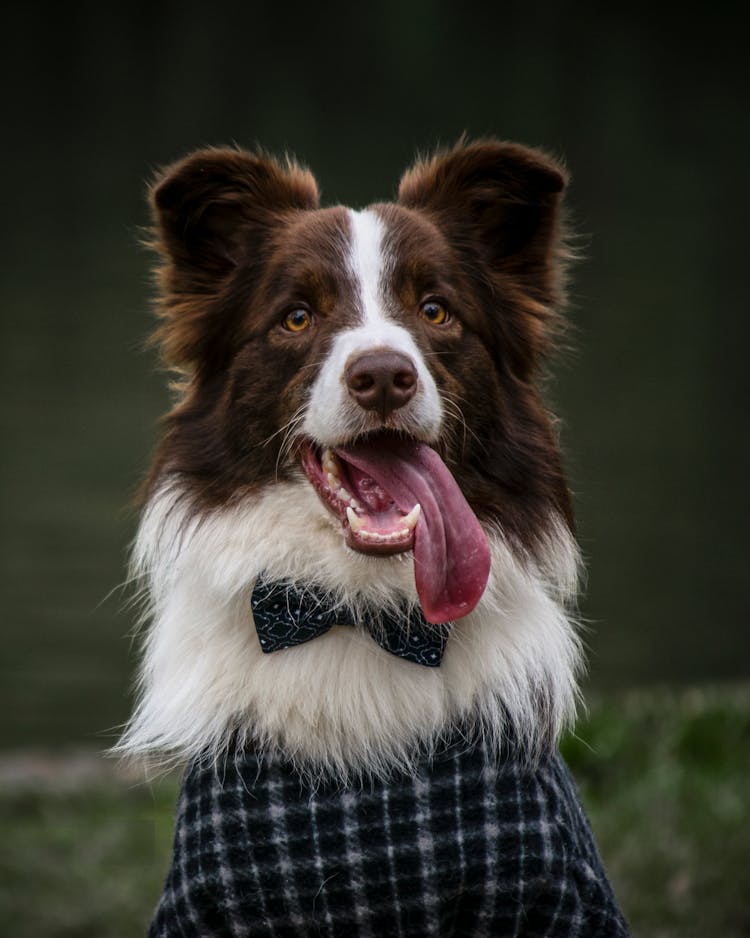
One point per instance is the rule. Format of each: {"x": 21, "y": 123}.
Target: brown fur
{"x": 243, "y": 241}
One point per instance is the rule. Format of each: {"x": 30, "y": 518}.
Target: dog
{"x": 358, "y": 556}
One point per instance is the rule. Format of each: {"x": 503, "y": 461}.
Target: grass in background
{"x": 664, "y": 777}
{"x": 83, "y": 864}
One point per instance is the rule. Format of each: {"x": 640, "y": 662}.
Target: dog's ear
{"x": 208, "y": 206}
{"x": 500, "y": 196}
{"x": 499, "y": 203}
{"x": 213, "y": 212}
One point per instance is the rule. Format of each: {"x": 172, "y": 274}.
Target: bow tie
{"x": 286, "y": 615}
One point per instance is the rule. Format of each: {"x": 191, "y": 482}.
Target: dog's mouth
{"x": 393, "y": 494}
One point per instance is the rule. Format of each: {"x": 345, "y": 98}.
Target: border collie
{"x": 359, "y": 460}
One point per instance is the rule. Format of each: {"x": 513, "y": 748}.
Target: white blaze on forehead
{"x": 333, "y": 417}
{"x": 367, "y": 262}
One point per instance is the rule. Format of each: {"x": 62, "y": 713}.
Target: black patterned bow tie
{"x": 286, "y": 615}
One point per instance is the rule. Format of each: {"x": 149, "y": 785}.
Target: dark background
{"x": 650, "y": 114}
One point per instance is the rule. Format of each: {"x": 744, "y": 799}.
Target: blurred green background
{"x": 650, "y": 113}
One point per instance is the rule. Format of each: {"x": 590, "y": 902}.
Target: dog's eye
{"x": 297, "y": 320}
{"x": 434, "y": 313}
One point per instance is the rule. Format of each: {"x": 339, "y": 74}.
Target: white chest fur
{"x": 338, "y": 704}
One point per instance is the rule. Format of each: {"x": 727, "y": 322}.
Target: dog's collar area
{"x": 288, "y": 614}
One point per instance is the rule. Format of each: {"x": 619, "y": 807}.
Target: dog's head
{"x": 386, "y": 358}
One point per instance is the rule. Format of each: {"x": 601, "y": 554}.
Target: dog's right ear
{"x": 208, "y": 206}
{"x": 213, "y": 211}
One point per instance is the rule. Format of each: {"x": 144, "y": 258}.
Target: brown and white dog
{"x": 358, "y": 409}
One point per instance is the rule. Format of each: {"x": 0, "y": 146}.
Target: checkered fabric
{"x": 464, "y": 848}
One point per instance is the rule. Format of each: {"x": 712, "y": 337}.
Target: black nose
{"x": 381, "y": 381}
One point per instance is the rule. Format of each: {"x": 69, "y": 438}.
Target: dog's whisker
{"x": 451, "y": 404}
{"x": 289, "y": 438}
{"x": 293, "y": 420}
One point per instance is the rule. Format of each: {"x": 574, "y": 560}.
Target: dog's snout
{"x": 382, "y": 381}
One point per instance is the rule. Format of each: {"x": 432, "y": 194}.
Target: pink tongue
{"x": 451, "y": 554}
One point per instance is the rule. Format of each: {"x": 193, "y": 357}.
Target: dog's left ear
{"x": 500, "y": 202}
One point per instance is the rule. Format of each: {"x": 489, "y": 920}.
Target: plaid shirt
{"x": 467, "y": 847}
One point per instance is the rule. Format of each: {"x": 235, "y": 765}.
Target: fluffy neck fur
{"x": 339, "y": 705}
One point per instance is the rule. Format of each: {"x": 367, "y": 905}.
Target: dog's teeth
{"x": 378, "y": 537}
{"x": 344, "y": 495}
{"x": 411, "y": 519}
{"x": 357, "y": 525}
{"x": 355, "y": 522}
{"x": 333, "y": 482}
{"x": 355, "y": 503}
{"x": 330, "y": 463}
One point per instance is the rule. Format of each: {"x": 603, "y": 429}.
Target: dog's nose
{"x": 382, "y": 381}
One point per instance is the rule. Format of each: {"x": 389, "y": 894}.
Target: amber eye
{"x": 297, "y": 320}
{"x": 434, "y": 313}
